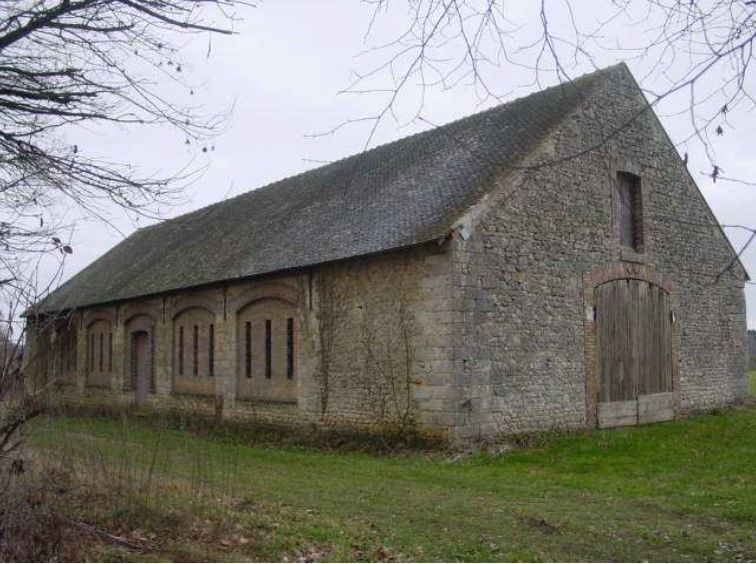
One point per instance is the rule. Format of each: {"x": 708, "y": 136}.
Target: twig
{"x": 102, "y": 533}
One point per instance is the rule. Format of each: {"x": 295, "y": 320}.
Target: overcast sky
{"x": 281, "y": 73}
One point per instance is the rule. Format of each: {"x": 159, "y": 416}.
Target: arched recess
{"x": 178, "y": 304}
{"x": 277, "y": 291}
{"x": 194, "y": 346}
{"x": 99, "y": 353}
{"x": 66, "y": 339}
{"x": 140, "y": 355}
{"x": 631, "y": 332}
{"x": 267, "y": 335}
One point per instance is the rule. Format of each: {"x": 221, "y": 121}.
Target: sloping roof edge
{"x": 446, "y": 217}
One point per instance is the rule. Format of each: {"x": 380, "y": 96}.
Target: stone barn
{"x": 548, "y": 263}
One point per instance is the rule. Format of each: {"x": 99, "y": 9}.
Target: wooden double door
{"x": 633, "y": 346}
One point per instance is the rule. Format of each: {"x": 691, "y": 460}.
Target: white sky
{"x": 281, "y": 73}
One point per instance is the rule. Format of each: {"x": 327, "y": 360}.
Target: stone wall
{"x": 529, "y": 254}
{"x": 379, "y": 330}
{"x": 489, "y": 332}
{"x": 370, "y": 346}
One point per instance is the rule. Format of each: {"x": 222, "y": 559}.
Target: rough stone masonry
{"x": 444, "y": 284}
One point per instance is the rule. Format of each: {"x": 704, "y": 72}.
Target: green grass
{"x": 676, "y": 491}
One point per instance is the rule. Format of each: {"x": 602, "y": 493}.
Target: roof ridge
{"x": 401, "y": 193}
{"x": 372, "y": 150}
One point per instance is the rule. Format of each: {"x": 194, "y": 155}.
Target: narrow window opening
{"x": 110, "y": 352}
{"x": 268, "y": 360}
{"x": 62, "y": 359}
{"x": 631, "y": 211}
{"x": 248, "y": 349}
{"x": 290, "y": 348}
{"x": 211, "y": 351}
{"x": 63, "y": 364}
{"x": 91, "y": 351}
{"x": 99, "y": 363}
{"x": 70, "y": 353}
{"x": 195, "y": 350}
{"x": 134, "y": 360}
{"x": 181, "y": 351}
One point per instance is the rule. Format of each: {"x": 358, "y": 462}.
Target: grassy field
{"x": 682, "y": 490}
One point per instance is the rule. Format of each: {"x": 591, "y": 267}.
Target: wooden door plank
{"x": 633, "y": 344}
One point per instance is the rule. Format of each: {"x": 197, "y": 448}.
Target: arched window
{"x": 99, "y": 357}
{"x": 194, "y": 351}
{"x": 65, "y": 369}
{"x": 266, "y": 345}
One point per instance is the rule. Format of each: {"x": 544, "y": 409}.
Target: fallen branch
{"x": 102, "y": 534}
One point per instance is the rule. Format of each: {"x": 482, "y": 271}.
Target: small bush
{"x": 32, "y": 526}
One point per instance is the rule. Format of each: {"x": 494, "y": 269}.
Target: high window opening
{"x": 110, "y": 352}
{"x": 91, "y": 352}
{"x": 102, "y": 352}
{"x": 195, "y": 350}
{"x": 211, "y": 351}
{"x": 181, "y": 351}
{"x": 268, "y": 349}
{"x": 248, "y": 349}
{"x": 630, "y": 211}
{"x": 290, "y": 347}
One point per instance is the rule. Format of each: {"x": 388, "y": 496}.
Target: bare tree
{"x": 65, "y": 64}
{"x": 449, "y": 43}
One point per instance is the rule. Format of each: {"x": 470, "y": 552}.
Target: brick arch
{"x": 281, "y": 292}
{"x": 92, "y": 320}
{"x": 130, "y": 310}
{"x": 89, "y": 316}
{"x": 134, "y": 323}
{"x": 623, "y": 271}
{"x": 176, "y": 313}
{"x": 183, "y": 303}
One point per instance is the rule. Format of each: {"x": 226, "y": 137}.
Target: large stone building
{"x": 546, "y": 263}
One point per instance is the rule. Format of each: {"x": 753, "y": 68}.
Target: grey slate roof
{"x": 396, "y": 195}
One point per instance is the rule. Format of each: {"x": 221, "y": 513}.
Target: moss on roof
{"x": 396, "y": 195}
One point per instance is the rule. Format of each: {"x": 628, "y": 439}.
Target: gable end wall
{"x": 541, "y": 235}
